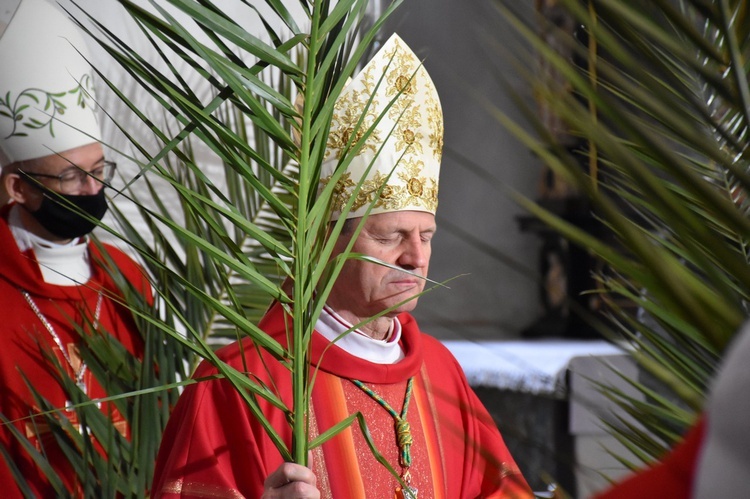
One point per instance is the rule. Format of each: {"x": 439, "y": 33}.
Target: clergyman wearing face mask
{"x": 72, "y": 196}
{"x": 56, "y": 201}
{"x": 55, "y": 281}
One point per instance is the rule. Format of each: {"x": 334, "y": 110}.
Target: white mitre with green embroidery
{"x": 404, "y": 150}
{"x": 46, "y": 94}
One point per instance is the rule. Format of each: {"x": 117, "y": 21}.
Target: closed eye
{"x": 427, "y": 236}
{"x": 97, "y": 172}
{"x": 386, "y": 240}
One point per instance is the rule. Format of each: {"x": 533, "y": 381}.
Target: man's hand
{"x": 291, "y": 481}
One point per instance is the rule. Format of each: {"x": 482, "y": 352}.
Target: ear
{"x": 16, "y": 188}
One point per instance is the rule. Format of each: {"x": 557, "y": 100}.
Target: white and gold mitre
{"x": 46, "y": 94}
{"x": 404, "y": 149}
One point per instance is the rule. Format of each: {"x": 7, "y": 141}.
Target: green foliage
{"x": 654, "y": 97}
{"x": 141, "y": 388}
{"x": 241, "y": 258}
{"x": 233, "y": 262}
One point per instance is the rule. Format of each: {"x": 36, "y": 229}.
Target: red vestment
{"x": 214, "y": 447}
{"x": 25, "y": 338}
{"x": 672, "y": 476}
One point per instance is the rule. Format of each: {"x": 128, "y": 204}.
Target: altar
{"x": 542, "y": 393}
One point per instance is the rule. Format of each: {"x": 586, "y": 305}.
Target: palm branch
{"x": 237, "y": 258}
{"x": 654, "y": 105}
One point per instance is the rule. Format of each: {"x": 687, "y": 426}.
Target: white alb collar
{"x": 331, "y": 325}
{"x": 61, "y": 264}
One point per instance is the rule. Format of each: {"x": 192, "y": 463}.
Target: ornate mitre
{"x": 403, "y": 150}
{"x": 46, "y": 94}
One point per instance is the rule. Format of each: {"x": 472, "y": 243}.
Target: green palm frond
{"x": 141, "y": 388}
{"x": 657, "y": 112}
{"x": 266, "y": 223}
{"x": 255, "y": 233}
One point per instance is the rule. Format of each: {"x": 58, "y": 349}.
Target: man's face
{"x": 46, "y": 171}
{"x": 402, "y": 239}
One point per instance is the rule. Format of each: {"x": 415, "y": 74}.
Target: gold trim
{"x": 198, "y": 490}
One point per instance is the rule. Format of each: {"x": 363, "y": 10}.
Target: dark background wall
{"x": 462, "y": 44}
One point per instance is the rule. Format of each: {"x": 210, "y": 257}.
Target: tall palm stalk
{"x": 657, "y": 107}
{"x": 234, "y": 244}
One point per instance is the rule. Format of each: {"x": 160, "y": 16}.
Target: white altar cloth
{"x": 529, "y": 366}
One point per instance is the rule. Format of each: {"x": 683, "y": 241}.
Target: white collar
{"x": 61, "y": 264}
{"x": 331, "y": 325}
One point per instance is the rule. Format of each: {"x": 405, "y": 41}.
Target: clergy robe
{"x": 214, "y": 447}
{"x": 671, "y": 477}
{"x": 24, "y": 338}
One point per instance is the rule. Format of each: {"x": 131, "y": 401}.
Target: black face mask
{"x": 63, "y": 214}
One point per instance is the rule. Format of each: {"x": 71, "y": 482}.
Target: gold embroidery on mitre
{"x": 402, "y": 76}
{"x": 407, "y": 77}
{"x": 348, "y": 109}
{"x": 414, "y": 186}
{"x": 398, "y": 163}
{"x": 342, "y": 190}
{"x": 435, "y": 123}
{"x": 345, "y": 130}
{"x": 417, "y": 189}
{"x": 408, "y": 134}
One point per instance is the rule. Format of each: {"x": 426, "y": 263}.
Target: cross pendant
{"x": 406, "y": 493}
{"x": 81, "y": 384}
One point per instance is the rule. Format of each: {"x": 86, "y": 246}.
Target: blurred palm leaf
{"x": 654, "y": 99}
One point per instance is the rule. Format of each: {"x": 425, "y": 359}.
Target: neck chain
{"x": 403, "y": 436}
{"x": 79, "y": 375}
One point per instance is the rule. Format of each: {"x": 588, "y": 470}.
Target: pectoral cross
{"x": 81, "y": 384}
{"x": 406, "y": 493}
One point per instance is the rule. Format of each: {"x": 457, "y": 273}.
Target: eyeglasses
{"x": 72, "y": 180}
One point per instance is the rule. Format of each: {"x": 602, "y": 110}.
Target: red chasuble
{"x": 672, "y": 476}
{"x": 214, "y": 447}
{"x": 24, "y": 338}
